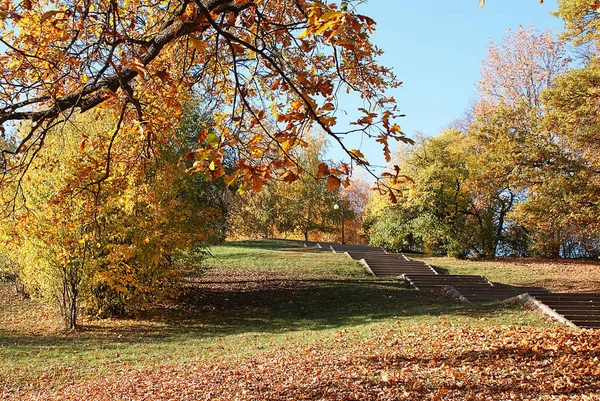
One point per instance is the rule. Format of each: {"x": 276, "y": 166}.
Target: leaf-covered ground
{"x": 286, "y": 324}
{"x": 428, "y": 362}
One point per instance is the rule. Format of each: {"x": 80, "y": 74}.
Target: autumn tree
{"x": 511, "y": 144}
{"x": 254, "y": 60}
{"x": 112, "y": 248}
{"x": 396, "y": 226}
{"x": 569, "y": 192}
{"x": 534, "y": 131}
{"x": 355, "y": 198}
{"x": 518, "y": 69}
{"x": 289, "y": 205}
{"x": 443, "y": 210}
{"x": 307, "y": 202}
{"x": 254, "y": 214}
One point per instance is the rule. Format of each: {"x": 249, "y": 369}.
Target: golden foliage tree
{"x": 289, "y": 205}
{"x": 108, "y": 242}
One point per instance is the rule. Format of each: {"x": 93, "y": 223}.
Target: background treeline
{"x": 519, "y": 173}
{"x": 303, "y": 209}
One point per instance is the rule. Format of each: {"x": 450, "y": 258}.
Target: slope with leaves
{"x": 255, "y": 297}
{"x": 430, "y": 362}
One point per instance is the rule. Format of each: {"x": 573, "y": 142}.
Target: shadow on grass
{"x": 440, "y": 270}
{"x": 267, "y": 244}
{"x": 275, "y": 306}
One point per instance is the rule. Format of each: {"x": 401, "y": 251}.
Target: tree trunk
{"x": 68, "y": 304}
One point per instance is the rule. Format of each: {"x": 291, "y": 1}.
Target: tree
{"x": 569, "y": 193}
{"x": 444, "y": 210}
{"x": 290, "y": 205}
{"x": 355, "y": 198}
{"x": 255, "y": 214}
{"x": 307, "y": 203}
{"x": 141, "y": 60}
{"x": 513, "y": 150}
{"x": 520, "y": 68}
{"x": 581, "y": 20}
{"x": 111, "y": 245}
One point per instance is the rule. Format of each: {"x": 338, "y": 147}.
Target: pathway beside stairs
{"x": 574, "y": 309}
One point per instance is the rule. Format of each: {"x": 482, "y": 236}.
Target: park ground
{"x": 268, "y": 320}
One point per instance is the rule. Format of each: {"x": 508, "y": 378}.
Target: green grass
{"x": 557, "y": 275}
{"x": 252, "y": 297}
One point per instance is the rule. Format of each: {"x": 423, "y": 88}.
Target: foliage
{"x": 514, "y": 148}
{"x": 394, "y": 228}
{"x": 354, "y": 199}
{"x": 519, "y": 68}
{"x": 271, "y": 70}
{"x": 581, "y": 20}
{"x": 522, "y": 178}
{"x": 109, "y": 242}
{"x": 444, "y": 210}
{"x": 300, "y": 207}
{"x": 434, "y": 361}
{"x": 254, "y": 215}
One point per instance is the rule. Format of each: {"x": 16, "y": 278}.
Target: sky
{"x": 436, "y": 48}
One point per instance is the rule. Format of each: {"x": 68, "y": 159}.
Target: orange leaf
{"x": 257, "y": 184}
{"x": 290, "y": 177}
{"x": 328, "y": 107}
{"x": 48, "y": 15}
{"x": 139, "y": 67}
{"x": 323, "y": 170}
{"x": 332, "y": 183}
{"x": 163, "y": 75}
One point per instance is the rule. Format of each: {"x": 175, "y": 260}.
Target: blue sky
{"x": 436, "y": 47}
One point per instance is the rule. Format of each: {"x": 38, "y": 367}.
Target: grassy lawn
{"x": 556, "y": 275}
{"x": 275, "y": 308}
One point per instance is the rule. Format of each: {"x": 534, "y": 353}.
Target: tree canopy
{"x": 521, "y": 176}
{"x": 268, "y": 70}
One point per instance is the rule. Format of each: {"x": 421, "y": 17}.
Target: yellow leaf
{"x": 256, "y": 152}
{"x": 304, "y": 34}
{"x": 297, "y": 104}
{"x": 242, "y": 189}
{"x": 357, "y": 154}
{"x": 198, "y": 44}
{"x": 330, "y": 15}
